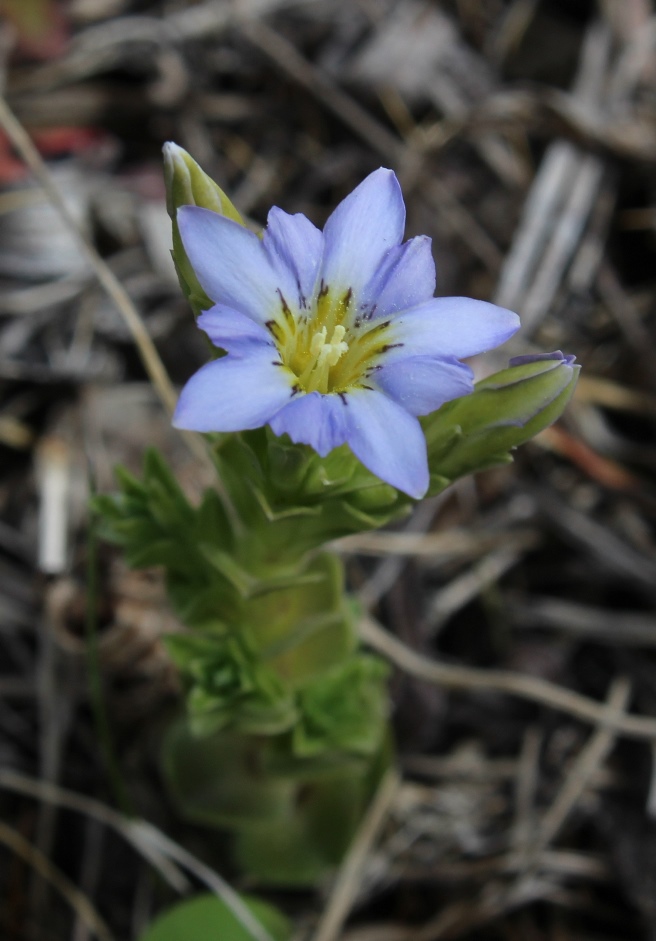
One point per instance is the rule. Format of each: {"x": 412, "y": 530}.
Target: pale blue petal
{"x": 449, "y": 326}
{"x": 232, "y": 266}
{"x": 234, "y": 332}
{"x": 388, "y": 440}
{"x": 232, "y": 394}
{"x": 422, "y": 384}
{"x": 405, "y": 278}
{"x": 557, "y": 356}
{"x": 296, "y": 245}
{"x": 314, "y": 419}
{"x": 361, "y": 230}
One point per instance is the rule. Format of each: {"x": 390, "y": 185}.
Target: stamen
{"x": 323, "y": 356}
{"x": 332, "y": 352}
{"x": 329, "y": 354}
{"x": 318, "y": 342}
{"x": 330, "y": 348}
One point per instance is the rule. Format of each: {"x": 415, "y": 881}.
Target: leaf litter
{"x": 523, "y": 134}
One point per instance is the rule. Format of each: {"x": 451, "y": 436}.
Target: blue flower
{"x": 332, "y": 337}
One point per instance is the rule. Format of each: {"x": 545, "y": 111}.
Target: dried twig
{"x": 145, "y": 346}
{"x": 151, "y": 360}
{"x": 453, "y": 543}
{"x": 558, "y": 203}
{"x": 348, "y": 879}
{"x": 531, "y": 688}
{"x": 387, "y": 572}
{"x": 528, "y": 774}
{"x": 83, "y": 907}
{"x": 157, "y": 848}
{"x": 376, "y": 135}
{"x": 581, "y": 771}
{"x": 463, "y": 589}
{"x": 571, "y": 618}
{"x": 60, "y": 797}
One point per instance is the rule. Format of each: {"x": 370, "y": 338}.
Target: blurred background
{"x": 524, "y": 136}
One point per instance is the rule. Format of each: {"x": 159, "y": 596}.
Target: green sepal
{"x": 291, "y": 500}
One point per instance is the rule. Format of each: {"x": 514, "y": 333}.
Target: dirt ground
{"x": 524, "y": 136}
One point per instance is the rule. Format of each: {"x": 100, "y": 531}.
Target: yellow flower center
{"x": 329, "y": 348}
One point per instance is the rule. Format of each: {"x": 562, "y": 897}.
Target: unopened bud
{"x": 188, "y": 185}
{"x": 504, "y": 411}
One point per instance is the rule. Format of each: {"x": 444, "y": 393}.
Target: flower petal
{"x": 361, "y": 230}
{"x": 233, "y": 394}
{"x": 234, "y": 332}
{"x": 295, "y": 244}
{"x": 387, "y": 439}
{"x": 232, "y": 265}
{"x": 421, "y": 384}
{"x": 557, "y": 356}
{"x": 405, "y": 278}
{"x": 450, "y": 326}
{"x": 314, "y": 419}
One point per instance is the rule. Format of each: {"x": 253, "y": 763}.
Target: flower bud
{"x": 188, "y": 185}
{"x": 505, "y": 410}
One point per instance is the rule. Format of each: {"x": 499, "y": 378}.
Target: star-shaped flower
{"x": 332, "y": 338}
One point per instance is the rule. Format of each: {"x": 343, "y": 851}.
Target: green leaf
{"x": 230, "y": 686}
{"x": 344, "y": 710}
{"x": 185, "y": 649}
{"x": 149, "y": 552}
{"x": 129, "y": 484}
{"x": 212, "y": 524}
{"x": 304, "y": 629}
{"x": 300, "y": 847}
{"x": 208, "y": 918}
{"x": 241, "y": 471}
{"x": 203, "y": 606}
{"x": 303, "y": 847}
{"x": 229, "y": 568}
{"x": 222, "y": 780}
{"x": 293, "y": 818}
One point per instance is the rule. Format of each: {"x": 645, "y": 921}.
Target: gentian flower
{"x": 332, "y": 338}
